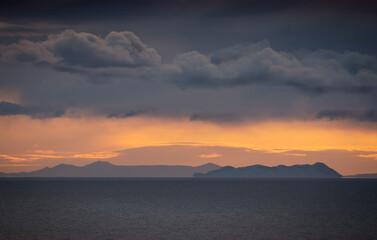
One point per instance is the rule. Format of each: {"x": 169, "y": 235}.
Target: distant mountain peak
{"x": 62, "y": 165}
{"x": 320, "y": 164}
{"x": 99, "y": 164}
{"x": 209, "y": 165}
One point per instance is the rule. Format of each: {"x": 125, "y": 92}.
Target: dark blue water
{"x": 187, "y": 209}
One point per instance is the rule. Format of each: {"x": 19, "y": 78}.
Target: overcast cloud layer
{"x": 201, "y": 60}
{"x": 239, "y": 82}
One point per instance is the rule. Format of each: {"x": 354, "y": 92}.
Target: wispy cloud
{"x": 275, "y": 150}
{"x": 44, "y": 151}
{"x": 373, "y": 156}
{"x": 210, "y": 155}
{"x": 296, "y": 154}
{"x": 50, "y": 154}
{"x": 13, "y": 158}
{"x": 18, "y": 165}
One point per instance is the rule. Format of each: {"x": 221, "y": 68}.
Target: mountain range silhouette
{"x": 209, "y": 170}
{"x": 317, "y": 170}
{"x": 106, "y": 169}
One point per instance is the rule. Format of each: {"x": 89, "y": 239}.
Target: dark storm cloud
{"x": 127, "y": 114}
{"x": 253, "y": 81}
{"x": 86, "y": 9}
{"x": 292, "y": 24}
{"x": 29, "y": 28}
{"x": 72, "y": 49}
{"x": 217, "y": 117}
{"x": 193, "y": 58}
{"x": 315, "y": 72}
{"x": 7, "y": 108}
{"x": 368, "y": 115}
{"x": 174, "y": 27}
{"x": 336, "y": 114}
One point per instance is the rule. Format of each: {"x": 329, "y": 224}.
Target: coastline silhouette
{"x": 209, "y": 170}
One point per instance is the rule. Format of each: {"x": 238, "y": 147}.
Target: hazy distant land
{"x": 209, "y": 170}
{"x": 366, "y": 175}
{"x": 106, "y": 169}
{"x": 317, "y": 170}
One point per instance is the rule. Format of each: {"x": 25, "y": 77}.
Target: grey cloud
{"x": 29, "y": 29}
{"x": 237, "y": 51}
{"x": 335, "y": 114}
{"x": 316, "y": 72}
{"x": 7, "y": 108}
{"x": 123, "y": 55}
{"x": 73, "y": 49}
{"x": 368, "y": 115}
{"x": 217, "y": 117}
{"x": 127, "y": 114}
{"x": 101, "y": 9}
{"x": 27, "y": 51}
{"x": 45, "y": 87}
{"x": 240, "y": 83}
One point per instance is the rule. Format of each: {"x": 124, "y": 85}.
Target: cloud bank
{"x": 69, "y": 48}
{"x": 7, "y": 108}
{"x": 240, "y": 82}
{"x": 316, "y": 72}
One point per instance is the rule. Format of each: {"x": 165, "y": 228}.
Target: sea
{"x": 188, "y": 208}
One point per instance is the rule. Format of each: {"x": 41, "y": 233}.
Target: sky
{"x": 188, "y": 82}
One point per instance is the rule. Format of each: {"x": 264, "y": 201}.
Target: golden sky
{"x": 33, "y": 143}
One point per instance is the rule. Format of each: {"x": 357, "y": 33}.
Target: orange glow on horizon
{"x": 99, "y": 138}
{"x": 101, "y": 134}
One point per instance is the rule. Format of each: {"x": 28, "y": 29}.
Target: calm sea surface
{"x": 187, "y": 209}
